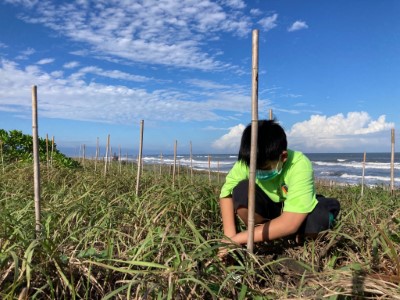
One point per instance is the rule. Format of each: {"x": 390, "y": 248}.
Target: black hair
{"x": 271, "y": 143}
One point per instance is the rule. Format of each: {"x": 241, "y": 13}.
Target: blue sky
{"x": 329, "y": 70}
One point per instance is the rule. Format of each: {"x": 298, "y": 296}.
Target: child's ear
{"x": 284, "y": 156}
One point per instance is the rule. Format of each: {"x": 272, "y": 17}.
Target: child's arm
{"x": 228, "y": 216}
{"x": 286, "y": 224}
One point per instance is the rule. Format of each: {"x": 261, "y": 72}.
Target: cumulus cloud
{"x": 168, "y": 33}
{"x": 75, "y": 97}
{"x": 45, "y": 61}
{"x": 26, "y": 54}
{"x": 339, "y": 132}
{"x": 238, "y": 4}
{"x": 114, "y": 74}
{"x": 269, "y": 23}
{"x": 298, "y": 25}
{"x": 231, "y": 140}
{"x": 71, "y": 65}
{"x": 255, "y": 12}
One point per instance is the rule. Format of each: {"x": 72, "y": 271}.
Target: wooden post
{"x": 209, "y": 169}
{"x": 47, "y": 151}
{"x": 119, "y": 159}
{"x": 253, "y": 148}
{"x": 1, "y": 154}
{"x": 218, "y": 172}
{"x": 363, "y": 175}
{"x": 36, "y": 162}
{"x": 161, "y": 163}
{"x": 106, "y": 157}
{"x": 97, "y": 154}
{"x": 83, "y": 154}
{"x": 174, "y": 166}
{"x": 139, "y": 160}
{"x": 392, "y": 166}
{"x": 52, "y": 151}
{"x": 270, "y": 114}
{"x": 191, "y": 163}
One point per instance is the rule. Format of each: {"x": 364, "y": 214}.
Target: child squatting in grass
{"x": 285, "y": 199}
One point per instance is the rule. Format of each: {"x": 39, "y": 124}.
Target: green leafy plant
{"x": 17, "y": 147}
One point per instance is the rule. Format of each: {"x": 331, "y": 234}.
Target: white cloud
{"x": 269, "y": 23}
{"x": 339, "y": 132}
{"x": 45, "y": 61}
{"x": 2, "y": 45}
{"x": 26, "y": 53}
{"x": 71, "y": 65}
{"x": 206, "y": 84}
{"x": 231, "y": 140}
{"x": 298, "y": 25}
{"x": 168, "y": 33}
{"x": 238, "y": 4}
{"x": 255, "y": 12}
{"x": 79, "y": 97}
{"x": 114, "y": 74}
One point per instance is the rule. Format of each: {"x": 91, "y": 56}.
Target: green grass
{"x": 100, "y": 241}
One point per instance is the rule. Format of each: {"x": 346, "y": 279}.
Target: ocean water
{"x": 339, "y": 167}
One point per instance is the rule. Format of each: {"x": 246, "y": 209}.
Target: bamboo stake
{"x": 218, "y": 172}
{"x": 209, "y": 169}
{"x": 106, "y": 157}
{"x": 174, "y": 166}
{"x": 47, "y": 151}
{"x": 363, "y": 175}
{"x": 83, "y": 155}
{"x": 52, "y": 151}
{"x": 161, "y": 163}
{"x": 36, "y": 162}
{"x": 97, "y": 154}
{"x": 1, "y": 154}
{"x": 392, "y": 166}
{"x": 270, "y": 114}
{"x": 139, "y": 161}
{"x": 253, "y": 148}
{"x": 119, "y": 159}
{"x": 191, "y": 163}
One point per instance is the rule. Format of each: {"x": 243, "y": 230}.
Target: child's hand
{"x": 222, "y": 252}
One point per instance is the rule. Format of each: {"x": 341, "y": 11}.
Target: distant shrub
{"x": 18, "y": 147}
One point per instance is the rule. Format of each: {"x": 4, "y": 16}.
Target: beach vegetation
{"x": 100, "y": 241}
{"x": 17, "y": 147}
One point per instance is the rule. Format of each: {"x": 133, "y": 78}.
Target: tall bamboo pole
{"x": 52, "y": 151}
{"x": 174, "y": 166}
{"x": 97, "y": 154}
{"x": 47, "y": 151}
{"x": 83, "y": 154}
{"x": 106, "y": 157}
{"x": 392, "y": 165}
{"x": 1, "y": 154}
{"x": 253, "y": 148}
{"x": 139, "y": 160}
{"x": 191, "y": 163}
{"x": 209, "y": 169}
{"x": 218, "y": 172}
{"x": 363, "y": 175}
{"x": 36, "y": 162}
{"x": 119, "y": 159}
{"x": 161, "y": 163}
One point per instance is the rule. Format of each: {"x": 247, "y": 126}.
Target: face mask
{"x": 268, "y": 174}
